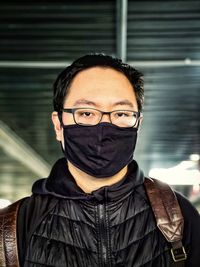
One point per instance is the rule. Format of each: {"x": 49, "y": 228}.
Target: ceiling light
{"x": 194, "y": 157}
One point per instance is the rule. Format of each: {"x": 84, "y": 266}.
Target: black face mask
{"x": 101, "y": 150}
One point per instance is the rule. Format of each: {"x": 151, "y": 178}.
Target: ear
{"x": 57, "y": 126}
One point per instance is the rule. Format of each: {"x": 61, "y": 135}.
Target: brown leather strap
{"x": 8, "y": 236}
{"x": 166, "y": 209}
{"x": 167, "y": 213}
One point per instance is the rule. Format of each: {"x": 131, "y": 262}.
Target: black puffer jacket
{"x": 61, "y": 226}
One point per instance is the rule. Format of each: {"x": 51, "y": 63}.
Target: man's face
{"x": 105, "y": 89}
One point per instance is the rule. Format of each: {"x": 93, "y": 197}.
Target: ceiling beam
{"x": 16, "y": 148}
{"x": 165, "y": 63}
{"x": 34, "y": 64}
{"x": 63, "y": 64}
{"x": 121, "y": 28}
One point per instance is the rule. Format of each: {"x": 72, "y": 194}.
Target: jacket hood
{"x": 61, "y": 183}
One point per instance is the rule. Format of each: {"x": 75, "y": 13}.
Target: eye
{"x": 86, "y": 114}
{"x": 123, "y": 114}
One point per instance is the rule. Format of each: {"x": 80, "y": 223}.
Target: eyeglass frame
{"x": 73, "y": 110}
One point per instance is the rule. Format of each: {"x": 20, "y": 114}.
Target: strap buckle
{"x": 178, "y": 254}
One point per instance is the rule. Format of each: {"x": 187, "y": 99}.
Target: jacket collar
{"x": 61, "y": 183}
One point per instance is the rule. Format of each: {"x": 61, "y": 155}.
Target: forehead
{"x": 100, "y": 84}
{"x": 100, "y": 77}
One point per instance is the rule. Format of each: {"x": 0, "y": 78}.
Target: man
{"x": 93, "y": 209}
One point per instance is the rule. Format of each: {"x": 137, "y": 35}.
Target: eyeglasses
{"x": 92, "y": 116}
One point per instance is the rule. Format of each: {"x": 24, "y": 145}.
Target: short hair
{"x": 62, "y": 83}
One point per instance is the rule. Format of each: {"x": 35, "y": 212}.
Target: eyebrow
{"x": 83, "y": 101}
{"x": 124, "y": 102}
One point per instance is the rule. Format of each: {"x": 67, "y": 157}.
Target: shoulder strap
{"x": 168, "y": 216}
{"x": 8, "y": 236}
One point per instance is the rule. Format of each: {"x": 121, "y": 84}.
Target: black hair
{"x": 64, "y": 79}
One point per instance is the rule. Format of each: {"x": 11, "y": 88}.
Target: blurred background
{"x": 160, "y": 38}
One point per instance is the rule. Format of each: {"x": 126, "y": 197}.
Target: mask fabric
{"x": 101, "y": 150}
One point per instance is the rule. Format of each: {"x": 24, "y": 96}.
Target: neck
{"x": 90, "y": 183}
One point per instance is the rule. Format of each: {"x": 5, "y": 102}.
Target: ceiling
{"x": 39, "y": 38}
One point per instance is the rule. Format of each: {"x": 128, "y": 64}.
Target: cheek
{"x": 68, "y": 119}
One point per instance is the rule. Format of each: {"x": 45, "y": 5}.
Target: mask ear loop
{"x": 61, "y": 123}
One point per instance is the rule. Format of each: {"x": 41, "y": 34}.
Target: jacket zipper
{"x": 103, "y": 235}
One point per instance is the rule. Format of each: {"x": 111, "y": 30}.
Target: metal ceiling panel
{"x": 163, "y": 30}
{"x": 59, "y": 30}
{"x": 171, "y": 127}
{"x": 26, "y": 106}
